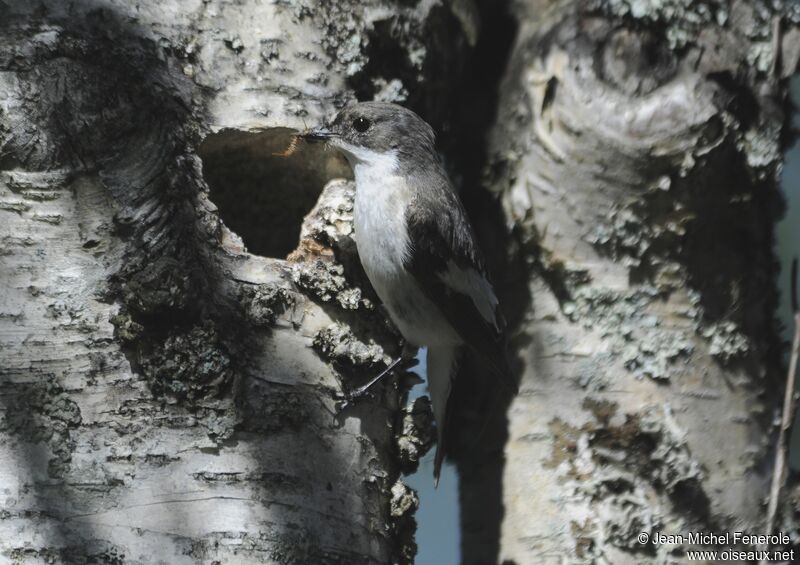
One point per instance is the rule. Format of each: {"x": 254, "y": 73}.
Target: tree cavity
{"x": 262, "y": 188}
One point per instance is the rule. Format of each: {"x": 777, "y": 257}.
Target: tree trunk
{"x": 168, "y": 379}
{"x": 165, "y": 395}
{"x": 635, "y": 154}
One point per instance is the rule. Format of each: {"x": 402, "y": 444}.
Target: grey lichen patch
{"x": 727, "y": 342}
{"x": 416, "y": 435}
{"x": 402, "y": 507}
{"x": 163, "y": 283}
{"x": 672, "y": 465}
{"x": 271, "y": 49}
{"x": 682, "y": 20}
{"x": 563, "y": 277}
{"x": 648, "y": 349}
{"x": 234, "y": 43}
{"x": 625, "y": 237}
{"x": 760, "y": 55}
{"x": 637, "y": 234}
{"x": 619, "y": 462}
{"x": 404, "y": 500}
{"x": 263, "y": 303}
{"x": 405, "y": 52}
{"x": 327, "y": 250}
{"x": 94, "y": 553}
{"x": 43, "y": 412}
{"x": 351, "y": 36}
{"x": 126, "y": 328}
{"x": 220, "y": 422}
{"x": 68, "y": 315}
{"x": 20, "y": 555}
{"x": 764, "y": 50}
{"x": 656, "y": 354}
{"x": 761, "y": 146}
{"x": 630, "y": 461}
{"x": 327, "y": 282}
{"x": 344, "y": 39}
{"x": 338, "y": 343}
{"x": 626, "y": 517}
{"x": 647, "y": 445}
{"x": 329, "y": 224}
{"x": 390, "y": 91}
{"x": 190, "y": 365}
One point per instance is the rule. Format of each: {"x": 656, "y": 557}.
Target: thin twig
{"x": 779, "y": 470}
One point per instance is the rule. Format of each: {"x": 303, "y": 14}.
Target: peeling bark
{"x": 636, "y": 155}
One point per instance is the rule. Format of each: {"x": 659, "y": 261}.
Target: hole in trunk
{"x": 263, "y": 196}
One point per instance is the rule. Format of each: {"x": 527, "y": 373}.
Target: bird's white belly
{"x": 383, "y": 246}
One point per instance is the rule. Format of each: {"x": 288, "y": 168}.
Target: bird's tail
{"x": 441, "y": 368}
{"x": 496, "y": 361}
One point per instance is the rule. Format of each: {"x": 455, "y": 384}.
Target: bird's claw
{"x": 399, "y": 365}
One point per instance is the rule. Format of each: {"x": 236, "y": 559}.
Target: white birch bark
{"x": 165, "y": 396}
{"x": 636, "y": 155}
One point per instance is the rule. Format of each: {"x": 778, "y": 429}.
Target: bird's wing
{"x": 449, "y": 268}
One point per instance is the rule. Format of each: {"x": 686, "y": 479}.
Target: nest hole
{"x": 263, "y": 191}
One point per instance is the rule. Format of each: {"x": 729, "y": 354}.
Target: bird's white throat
{"x": 382, "y": 196}
{"x": 362, "y": 157}
{"x": 381, "y": 199}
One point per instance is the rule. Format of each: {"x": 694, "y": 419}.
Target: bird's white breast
{"x": 382, "y": 196}
{"x": 381, "y": 199}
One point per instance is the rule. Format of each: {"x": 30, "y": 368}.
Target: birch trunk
{"x": 165, "y": 395}
{"x": 635, "y": 155}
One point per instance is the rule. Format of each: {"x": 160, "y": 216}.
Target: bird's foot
{"x": 400, "y": 365}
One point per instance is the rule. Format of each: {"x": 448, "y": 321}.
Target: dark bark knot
{"x": 635, "y": 61}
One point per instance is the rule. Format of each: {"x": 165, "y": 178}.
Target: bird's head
{"x": 370, "y": 130}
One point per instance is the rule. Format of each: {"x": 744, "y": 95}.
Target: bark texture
{"x": 168, "y": 379}
{"x": 166, "y": 396}
{"x": 636, "y": 154}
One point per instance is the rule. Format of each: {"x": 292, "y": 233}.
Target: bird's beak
{"x": 316, "y": 134}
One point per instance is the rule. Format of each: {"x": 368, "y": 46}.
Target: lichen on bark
{"x": 167, "y": 375}
{"x": 636, "y": 153}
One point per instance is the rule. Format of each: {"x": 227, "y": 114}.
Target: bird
{"x": 417, "y": 246}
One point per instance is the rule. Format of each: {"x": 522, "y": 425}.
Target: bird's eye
{"x": 361, "y": 124}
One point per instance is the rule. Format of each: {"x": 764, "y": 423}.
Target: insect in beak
{"x": 309, "y": 135}
{"x": 291, "y": 149}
